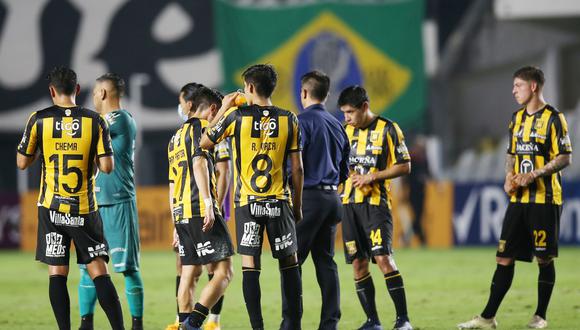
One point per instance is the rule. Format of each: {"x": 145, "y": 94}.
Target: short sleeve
{"x": 196, "y": 129}
{"x": 224, "y": 127}
{"x": 296, "y": 142}
{"x": 560, "y": 138}
{"x": 28, "y": 143}
{"x": 399, "y": 151}
{"x": 104, "y": 147}
{"x": 222, "y": 152}
{"x": 511, "y": 147}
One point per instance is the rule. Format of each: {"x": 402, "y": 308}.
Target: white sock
{"x": 214, "y": 318}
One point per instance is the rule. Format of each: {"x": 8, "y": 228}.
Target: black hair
{"x": 317, "y": 84}
{"x": 263, "y": 77}
{"x": 116, "y": 81}
{"x": 189, "y": 90}
{"x": 355, "y": 96}
{"x": 207, "y": 96}
{"x": 530, "y": 73}
{"x": 63, "y": 79}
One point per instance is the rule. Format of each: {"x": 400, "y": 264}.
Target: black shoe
{"x": 371, "y": 325}
{"x": 137, "y": 323}
{"x": 86, "y": 322}
{"x": 402, "y": 323}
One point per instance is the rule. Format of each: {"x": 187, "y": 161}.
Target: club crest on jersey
{"x": 539, "y": 124}
{"x": 375, "y": 135}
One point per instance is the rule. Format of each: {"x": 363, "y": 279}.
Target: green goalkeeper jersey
{"x": 119, "y": 185}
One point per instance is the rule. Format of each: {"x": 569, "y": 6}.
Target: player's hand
{"x": 209, "y": 219}
{"x": 297, "y": 210}
{"x": 510, "y": 185}
{"x": 359, "y": 180}
{"x": 175, "y": 242}
{"x": 229, "y": 100}
{"x": 524, "y": 179}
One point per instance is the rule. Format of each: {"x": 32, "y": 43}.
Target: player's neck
{"x": 368, "y": 119}
{"x": 536, "y": 104}
{"x": 263, "y": 102}
{"x": 64, "y": 101}
{"x": 110, "y": 107}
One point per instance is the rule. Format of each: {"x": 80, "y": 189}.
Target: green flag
{"x": 377, "y": 46}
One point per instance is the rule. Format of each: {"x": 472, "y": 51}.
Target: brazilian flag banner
{"x": 375, "y": 45}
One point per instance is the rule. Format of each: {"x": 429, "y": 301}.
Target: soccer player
{"x": 203, "y": 235}
{"x": 263, "y": 136}
{"x": 377, "y": 155}
{"x": 208, "y": 103}
{"x": 205, "y": 103}
{"x": 117, "y": 205}
{"x": 539, "y": 149}
{"x": 70, "y": 141}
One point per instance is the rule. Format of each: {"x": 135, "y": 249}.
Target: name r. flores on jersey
{"x": 265, "y": 210}
{"x": 54, "y": 246}
{"x": 66, "y": 219}
{"x": 528, "y": 148}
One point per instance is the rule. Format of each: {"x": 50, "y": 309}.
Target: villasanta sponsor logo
{"x": 66, "y": 219}
{"x": 265, "y": 210}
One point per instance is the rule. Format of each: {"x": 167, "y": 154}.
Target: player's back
{"x": 69, "y": 141}
{"x": 182, "y": 149}
{"x": 119, "y": 185}
{"x": 263, "y": 138}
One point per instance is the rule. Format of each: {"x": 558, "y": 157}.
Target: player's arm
{"x": 175, "y": 241}
{"x": 201, "y": 176}
{"x": 207, "y": 142}
{"x": 223, "y": 180}
{"x": 297, "y": 170}
{"x": 560, "y": 147}
{"x": 509, "y": 185}
{"x": 391, "y": 172}
{"x": 23, "y": 161}
{"x": 104, "y": 160}
{"x": 27, "y": 151}
{"x": 106, "y": 164}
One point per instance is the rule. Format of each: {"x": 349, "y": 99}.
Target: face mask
{"x": 181, "y": 114}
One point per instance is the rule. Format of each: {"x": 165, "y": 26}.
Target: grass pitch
{"x": 444, "y": 287}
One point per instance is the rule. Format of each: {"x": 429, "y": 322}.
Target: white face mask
{"x": 181, "y": 114}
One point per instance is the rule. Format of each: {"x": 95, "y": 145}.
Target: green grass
{"x": 444, "y": 287}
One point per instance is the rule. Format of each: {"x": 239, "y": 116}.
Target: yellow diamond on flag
{"x": 383, "y": 78}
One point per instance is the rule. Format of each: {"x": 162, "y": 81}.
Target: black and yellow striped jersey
{"x": 69, "y": 140}
{"x": 535, "y": 140}
{"x": 261, "y": 139}
{"x": 372, "y": 149}
{"x": 183, "y": 148}
{"x": 221, "y": 151}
